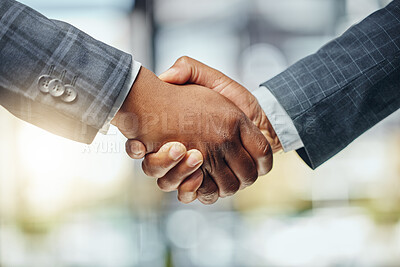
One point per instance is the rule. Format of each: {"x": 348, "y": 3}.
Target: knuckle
{"x": 229, "y": 138}
{"x": 230, "y": 189}
{"x": 267, "y": 151}
{"x": 154, "y": 169}
{"x": 210, "y": 164}
{"x": 264, "y": 147}
{"x": 148, "y": 170}
{"x": 208, "y": 194}
{"x": 267, "y": 162}
{"x": 208, "y": 191}
{"x": 164, "y": 185}
{"x": 227, "y": 143}
{"x": 183, "y": 60}
{"x": 232, "y": 145}
{"x": 250, "y": 178}
{"x": 236, "y": 124}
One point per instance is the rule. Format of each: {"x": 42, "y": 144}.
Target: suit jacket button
{"x": 56, "y": 88}
{"x": 70, "y": 94}
{"x": 43, "y": 83}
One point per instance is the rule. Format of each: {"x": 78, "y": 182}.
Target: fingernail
{"x": 137, "y": 154}
{"x": 176, "y": 151}
{"x": 169, "y": 72}
{"x": 134, "y": 150}
{"x": 194, "y": 159}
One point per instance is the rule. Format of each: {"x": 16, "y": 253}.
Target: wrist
{"x": 145, "y": 82}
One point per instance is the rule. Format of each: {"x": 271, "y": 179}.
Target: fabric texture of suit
{"x": 30, "y": 45}
{"x": 348, "y": 86}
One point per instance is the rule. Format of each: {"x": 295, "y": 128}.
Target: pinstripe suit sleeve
{"x": 30, "y": 44}
{"x": 348, "y": 86}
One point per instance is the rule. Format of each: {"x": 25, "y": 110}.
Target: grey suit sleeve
{"x": 32, "y": 45}
{"x": 348, "y": 86}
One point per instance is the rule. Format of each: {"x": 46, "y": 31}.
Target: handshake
{"x": 201, "y": 133}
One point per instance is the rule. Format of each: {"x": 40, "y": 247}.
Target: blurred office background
{"x": 68, "y": 204}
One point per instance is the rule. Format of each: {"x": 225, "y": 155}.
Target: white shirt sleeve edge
{"x": 122, "y": 96}
{"x": 279, "y": 119}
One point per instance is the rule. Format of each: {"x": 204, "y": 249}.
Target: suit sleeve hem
{"x": 279, "y": 119}
{"x": 122, "y": 96}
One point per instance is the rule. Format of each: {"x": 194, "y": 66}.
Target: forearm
{"x": 349, "y": 85}
{"x": 125, "y": 119}
{"x": 33, "y": 46}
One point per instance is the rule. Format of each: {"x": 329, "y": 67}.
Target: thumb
{"x": 189, "y": 70}
{"x": 135, "y": 149}
{"x": 177, "y": 74}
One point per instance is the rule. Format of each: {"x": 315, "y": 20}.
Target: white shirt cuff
{"x": 122, "y": 95}
{"x": 279, "y": 119}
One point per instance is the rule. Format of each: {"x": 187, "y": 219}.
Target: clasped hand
{"x": 204, "y": 143}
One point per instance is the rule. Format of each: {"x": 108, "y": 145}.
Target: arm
{"x": 325, "y": 101}
{"x": 32, "y": 46}
{"x": 348, "y": 86}
{"x": 60, "y": 79}
{"x": 180, "y": 174}
{"x": 235, "y": 150}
